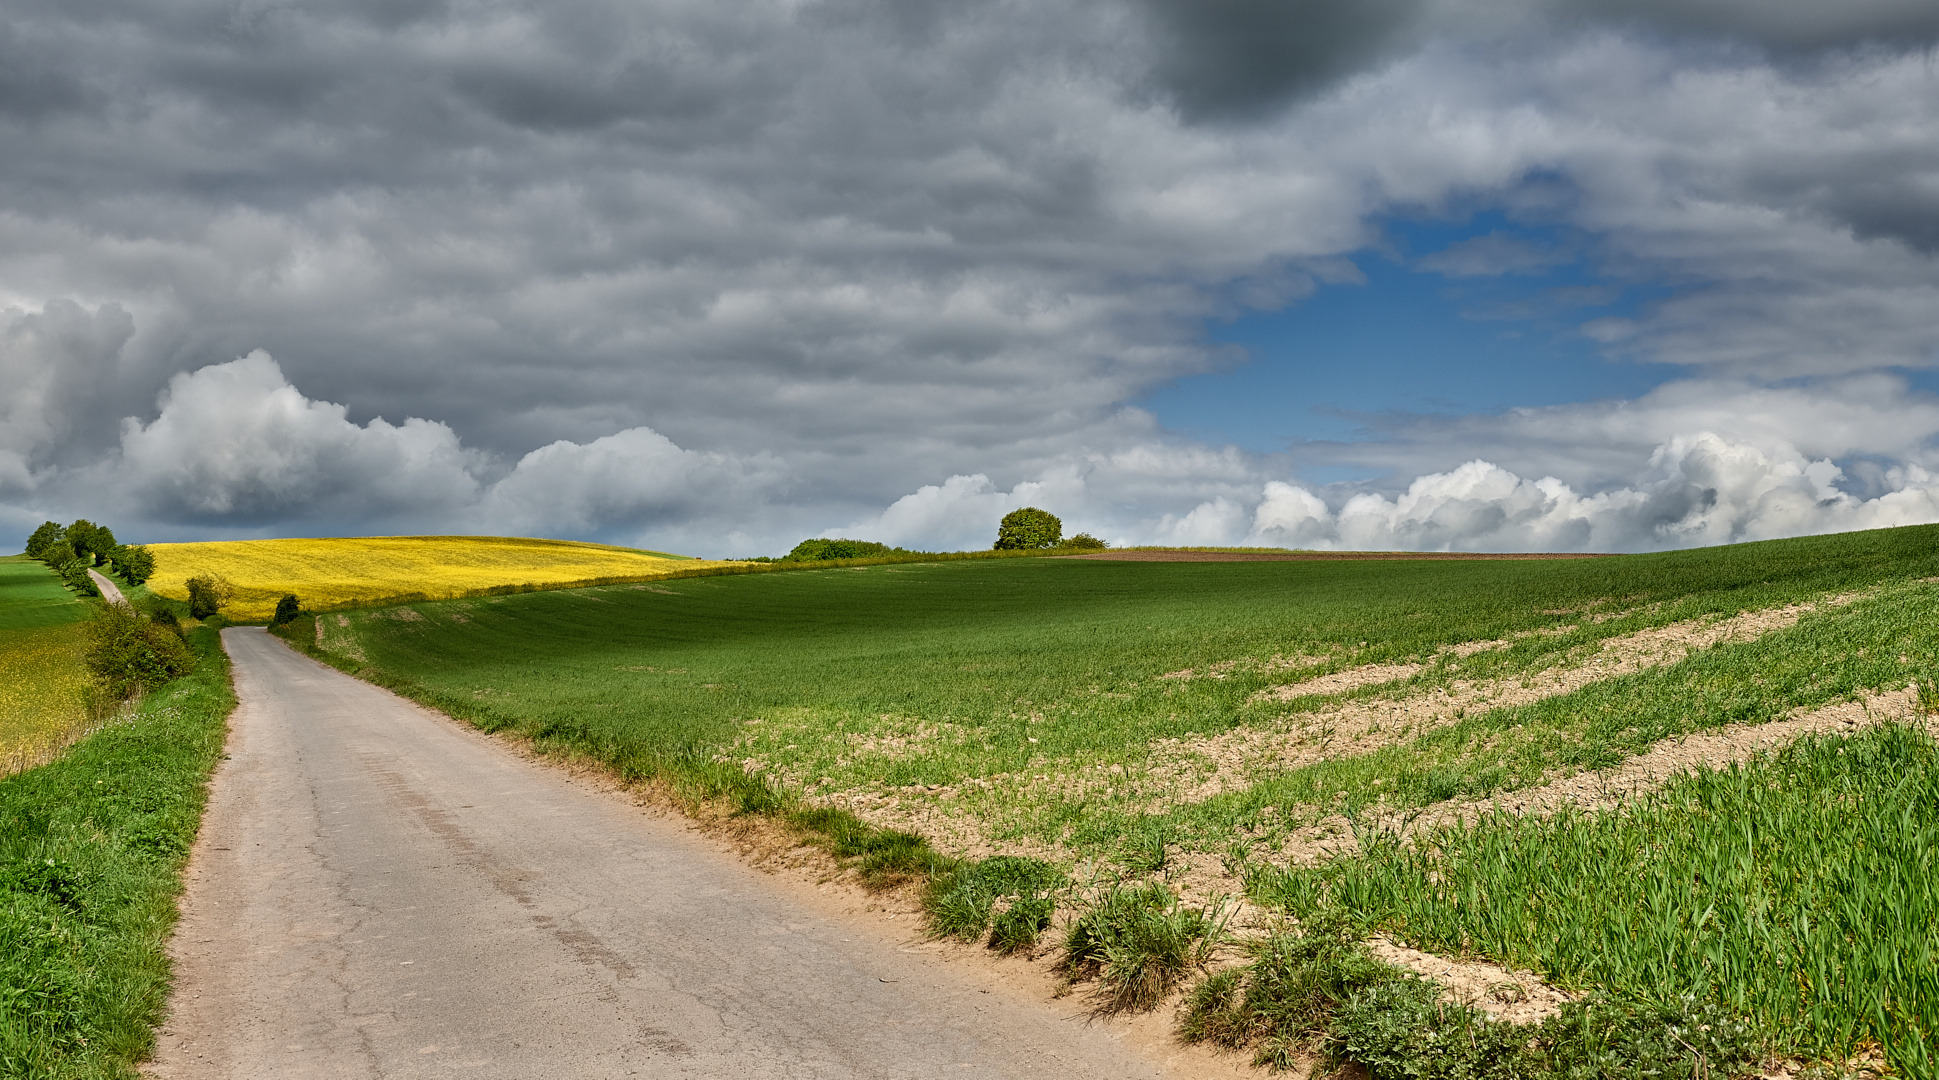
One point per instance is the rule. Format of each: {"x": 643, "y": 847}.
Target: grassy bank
{"x": 91, "y": 850}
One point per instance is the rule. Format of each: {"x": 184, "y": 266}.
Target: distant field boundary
{"x": 729, "y": 570}
{"x": 1224, "y": 555}
{"x": 779, "y": 566}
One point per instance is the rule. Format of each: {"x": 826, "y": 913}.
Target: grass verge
{"x": 91, "y": 852}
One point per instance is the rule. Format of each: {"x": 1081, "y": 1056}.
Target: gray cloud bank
{"x": 718, "y": 276}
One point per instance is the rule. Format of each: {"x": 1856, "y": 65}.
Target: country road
{"x": 109, "y": 590}
{"x": 378, "y": 892}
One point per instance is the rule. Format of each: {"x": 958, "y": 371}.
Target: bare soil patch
{"x": 1520, "y": 997}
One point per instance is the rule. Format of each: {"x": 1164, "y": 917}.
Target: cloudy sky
{"x": 716, "y": 276}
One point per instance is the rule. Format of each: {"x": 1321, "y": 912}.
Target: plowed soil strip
{"x": 1607, "y": 789}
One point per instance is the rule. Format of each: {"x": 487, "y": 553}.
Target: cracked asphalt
{"x": 379, "y": 892}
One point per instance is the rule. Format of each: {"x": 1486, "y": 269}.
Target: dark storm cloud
{"x": 1781, "y": 24}
{"x": 1227, "y": 57}
{"x": 685, "y": 269}
{"x": 1232, "y": 59}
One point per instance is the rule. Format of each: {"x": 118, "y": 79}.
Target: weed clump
{"x": 1139, "y": 942}
{"x": 1287, "y": 997}
{"x": 1010, "y": 896}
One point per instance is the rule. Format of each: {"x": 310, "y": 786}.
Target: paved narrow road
{"x": 109, "y": 591}
{"x": 379, "y": 893}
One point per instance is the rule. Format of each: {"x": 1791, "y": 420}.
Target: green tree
{"x": 207, "y": 594}
{"x": 1028, "y": 529}
{"x": 135, "y": 564}
{"x": 81, "y": 535}
{"x": 49, "y": 534}
{"x": 58, "y": 554}
{"x": 287, "y": 608}
{"x": 817, "y": 550}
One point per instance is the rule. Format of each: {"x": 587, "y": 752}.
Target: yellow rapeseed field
{"x": 42, "y": 682}
{"x": 351, "y": 572}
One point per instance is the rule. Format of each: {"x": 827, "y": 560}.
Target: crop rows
{"x": 1077, "y": 711}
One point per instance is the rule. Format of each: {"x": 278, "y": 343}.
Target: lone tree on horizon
{"x": 1028, "y": 529}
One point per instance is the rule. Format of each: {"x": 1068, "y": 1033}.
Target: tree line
{"x": 72, "y": 550}
{"x": 1027, "y": 529}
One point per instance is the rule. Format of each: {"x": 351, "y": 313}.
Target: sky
{"x": 1602, "y": 275}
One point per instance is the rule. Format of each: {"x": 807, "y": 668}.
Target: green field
{"x": 42, "y": 678}
{"x": 1089, "y": 711}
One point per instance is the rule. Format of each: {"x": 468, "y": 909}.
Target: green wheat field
{"x": 1274, "y": 728}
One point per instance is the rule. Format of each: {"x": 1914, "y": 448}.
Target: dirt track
{"x": 377, "y": 892}
{"x": 1188, "y": 555}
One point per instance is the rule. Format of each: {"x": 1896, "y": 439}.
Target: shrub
{"x": 49, "y": 534}
{"x": 1084, "y": 542}
{"x": 1028, "y": 529}
{"x": 76, "y": 576}
{"x": 58, "y": 555}
{"x": 207, "y": 594}
{"x": 287, "y": 609}
{"x": 128, "y": 652}
{"x": 818, "y": 550}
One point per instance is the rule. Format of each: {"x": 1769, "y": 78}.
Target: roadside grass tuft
{"x": 91, "y": 849}
{"x": 1139, "y": 941}
{"x": 1011, "y": 896}
{"x": 1286, "y": 997}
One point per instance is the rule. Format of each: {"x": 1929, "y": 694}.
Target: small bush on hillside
{"x": 165, "y": 618}
{"x": 127, "y": 652}
{"x": 75, "y": 574}
{"x": 1028, "y": 529}
{"x": 1084, "y": 542}
{"x": 818, "y": 550}
{"x": 287, "y": 609}
{"x": 208, "y": 593}
{"x": 57, "y": 555}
